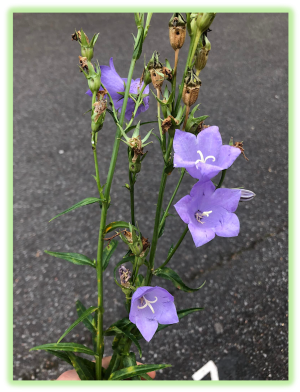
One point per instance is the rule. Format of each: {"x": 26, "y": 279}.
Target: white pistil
{"x": 148, "y": 303}
{"x": 199, "y": 215}
{"x": 202, "y": 160}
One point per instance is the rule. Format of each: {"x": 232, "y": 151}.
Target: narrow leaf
{"x": 114, "y": 225}
{"x": 128, "y": 334}
{"x": 143, "y": 123}
{"x": 135, "y": 371}
{"x": 168, "y": 273}
{"x": 88, "y": 321}
{"x": 107, "y": 253}
{"x": 74, "y": 347}
{"x": 85, "y": 202}
{"x": 82, "y": 317}
{"x": 60, "y": 355}
{"x": 84, "y": 372}
{"x": 75, "y": 258}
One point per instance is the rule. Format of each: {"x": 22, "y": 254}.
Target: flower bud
{"x": 87, "y": 52}
{"x": 125, "y": 275}
{"x": 146, "y": 76}
{"x": 191, "y": 88}
{"x": 177, "y": 31}
{"x": 201, "y": 54}
{"x": 132, "y": 240}
{"x": 98, "y": 116}
{"x": 87, "y": 47}
{"x": 156, "y": 70}
{"x": 146, "y": 249}
{"x": 205, "y": 21}
{"x": 246, "y": 195}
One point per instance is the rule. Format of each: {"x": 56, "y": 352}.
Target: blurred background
{"x": 244, "y": 326}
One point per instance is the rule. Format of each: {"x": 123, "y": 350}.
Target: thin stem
{"x": 131, "y": 184}
{"x": 162, "y": 136}
{"x": 171, "y": 200}
{"x": 175, "y": 247}
{"x": 100, "y": 340}
{"x": 186, "y": 117}
{"x": 222, "y": 178}
{"x": 138, "y": 104}
{"x": 174, "y": 75}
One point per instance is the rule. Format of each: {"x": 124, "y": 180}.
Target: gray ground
{"x": 243, "y": 328}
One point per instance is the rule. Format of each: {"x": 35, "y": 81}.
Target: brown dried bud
{"x": 146, "y": 243}
{"x": 167, "y": 123}
{"x": 83, "y": 63}
{"x": 177, "y": 31}
{"x": 168, "y": 73}
{"x": 99, "y": 108}
{"x": 76, "y": 37}
{"x": 191, "y": 88}
{"x": 127, "y": 235}
{"x": 239, "y": 145}
{"x": 100, "y": 94}
{"x": 201, "y": 126}
{"x": 125, "y": 275}
{"x": 157, "y": 77}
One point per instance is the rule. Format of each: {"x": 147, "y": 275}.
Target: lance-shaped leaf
{"x": 60, "y": 355}
{"x": 107, "y": 253}
{"x": 82, "y": 317}
{"x": 193, "y": 122}
{"x": 163, "y": 102}
{"x": 73, "y": 347}
{"x": 134, "y": 126}
{"x": 124, "y": 330}
{"x": 88, "y": 321}
{"x": 137, "y": 370}
{"x": 114, "y": 225}
{"x": 180, "y": 313}
{"x": 75, "y": 258}
{"x": 168, "y": 273}
{"x": 85, "y": 202}
{"x": 84, "y": 372}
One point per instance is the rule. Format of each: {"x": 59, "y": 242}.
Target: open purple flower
{"x": 209, "y": 211}
{"x": 114, "y": 84}
{"x": 150, "y": 306}
{"x": 203, "y": 155}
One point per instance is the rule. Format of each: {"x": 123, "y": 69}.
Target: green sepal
{"x": 85, "y": 202}
{"x": 73, "y": 347}
{"x": 75, "y": 258}
{"x": 114, "y": 225}
{"x": 86, "y": 313}
{"x": 137, "y": 370}
{"x": 168, "y": 273}
{"x": 84, "y": 372}
{"x": 140, "y": 281}
{"x": 168, "y": 65}
{"x": 107, "y": 253}
{"x": 169, "y": 100}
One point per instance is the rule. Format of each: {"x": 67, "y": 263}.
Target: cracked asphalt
{"x": 244, "y": 325}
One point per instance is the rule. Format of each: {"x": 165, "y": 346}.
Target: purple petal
{"x": 227, "y": 156}
{"x": 185, "y": 148}
{"x": 89, "y": 93}
{"x": 204, "y": 171}
{"x": 147, "y": 327}
{"x": 201, "y": 189}
{"x": 209, "y": 141}
{"x": 183, "y": 208}
{"x": 227, "y": 198}
{"x": 169, "y": 314}
{"x": 112, "y": 81}
{"x": 201, "y": 236}
{"x": 230, "y": 226}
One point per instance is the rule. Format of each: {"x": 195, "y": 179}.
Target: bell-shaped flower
{"x": 150, "y": 306}
{"x": 203, "y": 155}
{"x": 209, "y": 211}
{"x": 115, "y": 85}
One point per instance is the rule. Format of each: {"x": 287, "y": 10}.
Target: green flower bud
{"x": 94, "y": 83}
{"x": 205, "y": 21}
{"x": 87, "y": 52}
{"x": 135, "y": 167}
{"x": 87, "y": 47}
{"x": 201, "y": 54}
{"x": 133, "y": 240}
{"x": 147, "y": 76}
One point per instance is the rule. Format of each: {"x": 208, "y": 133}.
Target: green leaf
{"x": 138, "y": 44}
{"x": 134, "y": 126}
{"x": 107, "y": 253}
{"x": 60, "y": 355}
{"x": 170, "y": 250}
{"x": 169, "y": 168}
{"x": 81, "y": 318}
{"x": 128, "y": 334}
{"x": 83, "y": 371}
{"x": 139, "y": 281}
{"x": 114, "y": 225}
{"x": 88, "y": 321}
{"x": 74, "y": 347}
{"x": 85, "y": 202}
{"x": 75, "y": 258}
{"x": 161, "y": 231}
{"x": 146, "y": 377}
{"x": 135, "y": 371}
{"x": 168, "y": 273}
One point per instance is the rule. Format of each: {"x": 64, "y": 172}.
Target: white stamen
{"x": 199, "y": 215}
{"x": 202, "y": 160}
{"x": 148, "y": 303}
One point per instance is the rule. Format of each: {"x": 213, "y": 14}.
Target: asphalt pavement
{"x": 244, "y": 325}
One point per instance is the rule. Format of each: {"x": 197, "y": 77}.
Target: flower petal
{"x": 209, "y": 141}
{"x": 201, "y": 189}
{"x": 147, "y": 327}
{"x": 200, "y": 235}
{"x": 185, "y": 148}
{"x": 183, "y": 208}
{"x": 111, "y": 80}
{"x": 203, "y": 171}
{"x": 230, "y": 226}
{"x": 227, "y": 156}
{"x": 169, "y": 314}
{"x": 227, "y": 198}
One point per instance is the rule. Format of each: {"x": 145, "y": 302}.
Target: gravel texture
{"x": 244, "y": 327}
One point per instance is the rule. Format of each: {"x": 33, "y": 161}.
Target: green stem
{"x": 131, "y": 184}
{"x": 221, "y": 179}
{"x": 138, "y": 104}
{"x": 171, "y": 200}
{"x": 175, "y": 247}
{"x": 100, "y": 340}
{"x": 162, "y": 136}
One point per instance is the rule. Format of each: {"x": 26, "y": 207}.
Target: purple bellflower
{"x": 114, "y": 84}
{"x": 209, "y": 211}
{"x": 203, "y": 155}
{"x": 150, "y": 306}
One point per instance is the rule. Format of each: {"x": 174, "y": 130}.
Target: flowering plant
{"x": 207, "y": 211}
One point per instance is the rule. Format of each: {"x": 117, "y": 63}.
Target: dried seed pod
{"x": 168, "y": 73}
{"x": 191, "y": 88}
{"x": 177, "y": 31}
{"x": 83, "y": 63}
{"x": 99, "y": 108}
{"x": 167, "y": 123}
{"x": 201, "y": 54}
{"x": 156, "y": 70}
